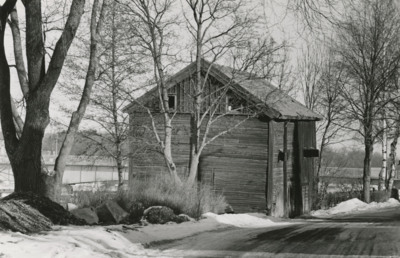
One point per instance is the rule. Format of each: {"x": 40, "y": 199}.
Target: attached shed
{"x": 264, "y": 164}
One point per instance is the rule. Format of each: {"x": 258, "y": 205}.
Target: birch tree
{"x": 153, "y": 28}
{"x": 215, "y": 26}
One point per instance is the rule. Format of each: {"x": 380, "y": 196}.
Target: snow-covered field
{"x": 355, "y": 206}
{"x": 117, "y": 241}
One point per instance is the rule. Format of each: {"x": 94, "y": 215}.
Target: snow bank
{"x": 243, "y": 220}
{"x": 110, "y": 241}
{"x": 354, "y": 206}
{"x": 68, "y": 242}
{"x": 115, "y": 241}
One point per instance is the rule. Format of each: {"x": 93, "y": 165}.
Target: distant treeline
{"x": 351, "y": 158}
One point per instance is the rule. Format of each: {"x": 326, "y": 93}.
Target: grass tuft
{"x": 158, "y": 191}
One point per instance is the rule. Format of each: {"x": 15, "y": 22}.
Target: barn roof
{"x": 278, "y": 105}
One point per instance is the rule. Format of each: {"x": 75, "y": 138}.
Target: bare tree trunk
{"x": 367, "y": 169}
{"x": 120, "y": 169}
{"x": 194, "y": 164}
{"x": 392, "y": 155}
{"x": 27, "y": 160}
{"x": 19, "y": 59}
{"x": 115, "y": 92}
{"x": 196, "y": 114}
{"x": 22, "y": 76}
{"x": 168, "y": 152}
{"x": 383, "y": 171}
{"x": 25, "y": 153}
{"x": 55, "y": 181}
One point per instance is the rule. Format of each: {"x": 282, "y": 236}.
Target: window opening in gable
{"x": 234, "y": 103}
{"x": 172, "y": 102}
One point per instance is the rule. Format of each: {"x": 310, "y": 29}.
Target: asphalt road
{"x": 374, "y": 234}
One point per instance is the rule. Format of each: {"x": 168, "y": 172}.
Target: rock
{"x": 110, "y": 213}
{"x": 135, "y": 211}
{"x": 18, "y": 216}
{"x": 71, "y": 206}
{"x": 87, "y": 214}
{"x": 394, "y": 194}
{"x": 160, "y": 215}
{"x": 186, "y": 218}
{"x": 143, "y": 222}
{"x": 52, "y": 210}
{"x": 229, "y": 210}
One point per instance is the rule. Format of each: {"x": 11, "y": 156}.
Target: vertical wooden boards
{"x": 270, "y": 170}
{"x": 306, "y": 139}
{"x": 295, "y": 191}
{"x": 277, "y": 177}
{"x": 285, "y": 170}
{"x": 236, "y": 162}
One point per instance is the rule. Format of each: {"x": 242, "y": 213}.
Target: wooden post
{"x": 270, "y": 169}
{"x": 285, "y": 186}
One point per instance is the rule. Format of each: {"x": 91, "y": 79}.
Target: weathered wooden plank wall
{"x": 306, "y": 140}
{"x": 236, "y": 163}
{"x": 278, "y": 193}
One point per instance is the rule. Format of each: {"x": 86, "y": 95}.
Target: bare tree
{"x": 310, "y": 76}
{"x": 216, "y": 26}
{"x": 153, "y": 29}
{"x": 96, "y": 24}
{"x": 367, "y": 48}
{"x": 316, "y": 15}
{"x": 116, "y": 69}
{"x": 24, "y": 152}
{"x": 321, "y": 81}
{"x": 37, "y": 84}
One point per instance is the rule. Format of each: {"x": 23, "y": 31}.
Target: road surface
{"x": 373, "y": 234}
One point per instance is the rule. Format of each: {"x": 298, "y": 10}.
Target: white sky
{"x": 281, "y": 24}
{"x": 284, "y": 27}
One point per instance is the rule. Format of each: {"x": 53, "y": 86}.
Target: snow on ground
{"x": 68, "y": 242}
{"x": 244, "y": 220}
{"x": 116, "y": 241}
{"x": 355, "y": 206}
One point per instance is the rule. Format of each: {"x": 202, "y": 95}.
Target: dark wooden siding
{"x": 306, "y": 135}
{"x": 235, "y": 163}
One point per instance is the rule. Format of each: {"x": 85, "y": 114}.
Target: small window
{"x": 172, "y": 102}
{"x": 234, "y": 104}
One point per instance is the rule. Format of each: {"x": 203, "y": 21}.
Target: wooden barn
{"x": 266, "y": 164}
